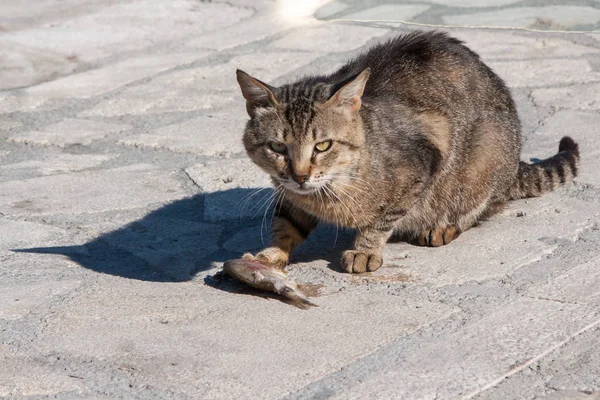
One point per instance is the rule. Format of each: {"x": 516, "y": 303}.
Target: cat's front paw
{"x": 271, "y": 256}
{"x": 355, "y": 261}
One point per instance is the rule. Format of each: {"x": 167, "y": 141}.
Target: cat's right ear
{"x": 257, "y": 94}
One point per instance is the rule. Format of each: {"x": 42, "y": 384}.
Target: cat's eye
{"x": 278, "y": 147}
{"x": 323, "y": 146}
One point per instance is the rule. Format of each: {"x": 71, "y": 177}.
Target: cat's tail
{"x": 546, "y": 175}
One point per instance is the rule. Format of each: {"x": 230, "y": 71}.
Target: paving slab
{"x": 583, "y": 97}
{"x": 104, "y": 79}
{"x": 330, "y": 38}
{"x": 128, "y": 26}
{"x": 253, "y": 239}
{"x": 19, "y": 101}
{"x": 557, "y": 16}
{"x": 580, "y": 285}
{"x": 244, "y": 32}
{"x": 571, "y": 373}
{"x": 516, "y": 238}
{"x": 330, "y": 8}
{"x": 530, "y": 114}
{"x": 24, "y": 66}
{"x": 473, "y": 357}
{"x": 122, "y": 188}
{"x": 16, "y": 300}
{"x": 27, "y": 378}
{"x": 229, "y": 185}
{"x": 211, "y": 135}
{"x": 48, "y": 272}
{"x": 200, "y": 88}
{"x": 474, "y": 3}
{"x": 56, "y": 164}
{"x": 72, "y": 131}
{"x": 7, "y": 124}
{"x": 166, "y": 244}
{"x": 394, "y": 12}
{"x": 499, "y": 44}
{"x": 536, "y": 73}
{"x": 45, "y": 12}
{"x": 242, "y": 345}
{"x": 18, "y": 234}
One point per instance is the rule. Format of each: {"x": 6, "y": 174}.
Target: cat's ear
{"x": 349, "y": 96}
{"x": 257, "y": 94}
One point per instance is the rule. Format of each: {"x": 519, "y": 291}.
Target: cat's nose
{"x": 300, "y": 179}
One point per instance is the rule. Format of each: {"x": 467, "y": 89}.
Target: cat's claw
{"x": 357, "y": 262}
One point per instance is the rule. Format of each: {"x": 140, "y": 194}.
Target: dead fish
{"x": 266, "y": 278}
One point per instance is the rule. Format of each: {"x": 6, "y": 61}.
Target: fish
{"x": 267, "y": 278}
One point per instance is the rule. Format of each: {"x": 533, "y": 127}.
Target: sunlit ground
{"x": 298, "y": 9}
{"x": 575, "y": 15}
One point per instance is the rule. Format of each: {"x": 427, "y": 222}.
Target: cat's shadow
{"x": 177, "y": 241}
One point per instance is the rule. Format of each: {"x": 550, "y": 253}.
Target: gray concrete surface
{"x": 124, "y": 187}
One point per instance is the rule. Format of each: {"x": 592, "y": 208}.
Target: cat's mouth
{"x": 304, "y": 189}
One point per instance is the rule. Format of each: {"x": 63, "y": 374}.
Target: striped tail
{"x": 546, "y": 175}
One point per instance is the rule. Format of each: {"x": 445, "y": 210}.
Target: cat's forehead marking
{"x": 299, "y": 108}
{"x": 299, "y": 114}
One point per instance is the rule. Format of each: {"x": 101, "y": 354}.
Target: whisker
{"x": 254, "y": 192}
{"x": 338, "y": 199}
{"x": 268, "y": 197}
{"x": 350, "y": 214}
{"x": 247, "y": 199}
{"x": 355, "y": 177}
{"x": 348, "y": 195}
{"x": 279, "y": 199}
{"x": 272, "y": 199}
{"x": 355, "y": 183}
{"x": 320, "y": 194}
{"x": 337, "y": 224}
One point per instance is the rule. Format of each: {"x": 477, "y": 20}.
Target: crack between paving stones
{"x": 532, "y": 360}
{"x": 470, "y": 27}
{"x": 192, "y": 181}
{"x": 243, "y": 7}
{"x": 553, "y": 300}
{"x": 88, "y": 66}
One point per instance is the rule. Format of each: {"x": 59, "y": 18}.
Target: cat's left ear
{"x": 349, "y": 96}
{"x": 257, "y": 94}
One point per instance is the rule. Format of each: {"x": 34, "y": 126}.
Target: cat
{"x": 415, "y": 137}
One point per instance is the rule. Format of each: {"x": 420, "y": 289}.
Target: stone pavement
{"x": 124, "y": 187}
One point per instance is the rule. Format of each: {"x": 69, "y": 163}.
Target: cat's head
{"x": 305, "y": 135}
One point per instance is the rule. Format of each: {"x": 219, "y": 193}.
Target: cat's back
{"x": 405, "y": 54}
{"x": 427, "y": 67}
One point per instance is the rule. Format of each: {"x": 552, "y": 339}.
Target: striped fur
{"x": 424, "y": 141}
{"x": 544, "y": 176}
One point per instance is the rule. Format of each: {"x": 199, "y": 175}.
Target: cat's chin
{"x": 302, "y": 191}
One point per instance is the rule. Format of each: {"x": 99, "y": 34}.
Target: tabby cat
{"x": 415, "y": 137}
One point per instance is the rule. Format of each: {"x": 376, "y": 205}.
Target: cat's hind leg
{"x": 438, "y": 236}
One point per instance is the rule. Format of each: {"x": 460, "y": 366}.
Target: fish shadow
{"x": 181, "y": 239}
